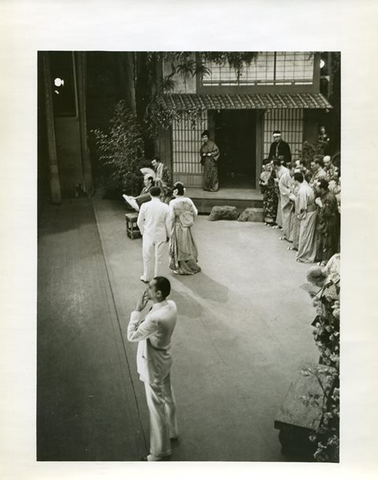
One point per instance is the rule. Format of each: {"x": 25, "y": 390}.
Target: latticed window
{"x": 294, "y": 68}
{"x": 186, "y": 144}
{"x": 290, "y": 122}
{"x": 269, "y": 68}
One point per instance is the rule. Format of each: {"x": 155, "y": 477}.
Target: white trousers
{"x": 163, "y": 423}
{"x": 153, "y": 254}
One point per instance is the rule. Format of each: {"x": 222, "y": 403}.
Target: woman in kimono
{"x": 209, "y": 159}
{"x": 307, "y": 213}
{"x": 328, "y": 225}
{"x": 268, "y": 189}
{"x": 183, "y": 253}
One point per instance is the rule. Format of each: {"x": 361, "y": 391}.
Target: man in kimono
{"x": 331, "y": 172}
{"x": 153, "y": 334}
{"x": 328, "y": 225}
{"x": 280, "y": 149}
{"x": 318, "y": 171}
{"x": 136, "y": 202}
{"x": 307, "y": 213}
{"x": 285, "y": 185}
{"x": 162, "y": 179}
{"x": 209, "y": 159}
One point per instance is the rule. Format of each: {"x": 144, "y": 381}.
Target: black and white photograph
{"x": 189, "y": 237}
{"x": 185, "y": 278}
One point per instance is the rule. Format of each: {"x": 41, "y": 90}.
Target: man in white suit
{"x": 154, "y": 362}
{"x": 154, "y": 224}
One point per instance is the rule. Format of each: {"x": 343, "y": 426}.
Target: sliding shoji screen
{"x": 290, "y": 122}
{"x": 186, "y": 144}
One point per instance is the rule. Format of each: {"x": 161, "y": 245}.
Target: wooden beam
{"x": 259, "y": 143}
{"x": 86, "y": 165}
{"x": 56, "y": 196}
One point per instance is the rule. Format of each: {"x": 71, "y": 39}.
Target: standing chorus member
{"x": 285, "y": 204}
{"x": 328, "y": 224}
{"x": 268, "y": 189}
{"x": 183, "y": 252}
{"x": 296, "y": 222}
{"x": 154, "y": 224}
{"x": 162, "y": 179}
{"x": 307, "y": 214}
{"x": 317, "y": 171}
{"x": 209, "y": 159}
{"x": 154, "y": 334}
{"x": 280, "y": 149}
{"x": 331, "y": 172}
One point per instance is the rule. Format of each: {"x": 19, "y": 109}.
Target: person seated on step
{"x": 136, "y": 202}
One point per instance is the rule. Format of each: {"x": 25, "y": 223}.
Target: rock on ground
{"x": 223, "y": 213}
{"x": 251, "y": 215}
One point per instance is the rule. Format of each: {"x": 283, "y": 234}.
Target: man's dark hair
{"x": 298, "y": 177}
{"x": 318, "y": 161}
{"x": 277, "y": 163}
{"x": 155, "y": 192}
{"x": 156, "y": 158}
{"x": 163, "y": 285}
{"x": 205, "y": 133}
{"x": 266, "y": 161}
{"x": 278, "y": 132}
{"x": 308, "y": 176}
{"x": 323, "y": 183}
{"x": 179, "y": 187}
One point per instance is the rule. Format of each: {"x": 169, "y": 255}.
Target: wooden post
{"x": 56, "y": 196}
{"x": 259, "y": 119}
{"x": 82, "y": 100}
{"x": 126, "y": 71}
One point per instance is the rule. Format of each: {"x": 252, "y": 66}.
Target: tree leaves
{"x": 121, "y": 150}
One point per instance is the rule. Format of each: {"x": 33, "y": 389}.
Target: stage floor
{"x": 244, "y": 326}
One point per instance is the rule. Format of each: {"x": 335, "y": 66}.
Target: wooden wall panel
{"x": 290, "y": 122}
{"x": 186, "y": 143}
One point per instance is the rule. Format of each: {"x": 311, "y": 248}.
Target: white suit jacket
{"x": 154, "y": 335}
{"x": 154, "y": 220}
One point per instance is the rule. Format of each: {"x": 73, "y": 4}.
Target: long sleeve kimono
{"x": 183, "y": 252}
{"x": 307, "y": 213}
{"x": 209, "y": 159}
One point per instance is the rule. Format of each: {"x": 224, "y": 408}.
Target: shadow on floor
{"x": 205, "y": 287}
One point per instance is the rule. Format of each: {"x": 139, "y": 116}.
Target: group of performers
{"x": 304, "y": 202}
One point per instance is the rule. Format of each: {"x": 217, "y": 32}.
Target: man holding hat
{"x": 209, "y": 159}
{"x": 280, "y": 149}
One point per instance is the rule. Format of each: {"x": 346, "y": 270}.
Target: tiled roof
{"x": 190, "y": 101}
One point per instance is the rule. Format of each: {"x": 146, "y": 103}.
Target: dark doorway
{"x": 235, "y": 135}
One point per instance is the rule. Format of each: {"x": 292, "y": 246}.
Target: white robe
{"x": 285, "y": 186}
{"x": 307, "y": 213}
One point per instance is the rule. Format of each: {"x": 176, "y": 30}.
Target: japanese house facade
{"x": 278, "y": 90}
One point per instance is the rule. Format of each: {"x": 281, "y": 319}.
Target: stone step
{"x": 205, "y": 205}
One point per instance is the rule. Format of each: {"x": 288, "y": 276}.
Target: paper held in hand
{"x": 131, "y": 201}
